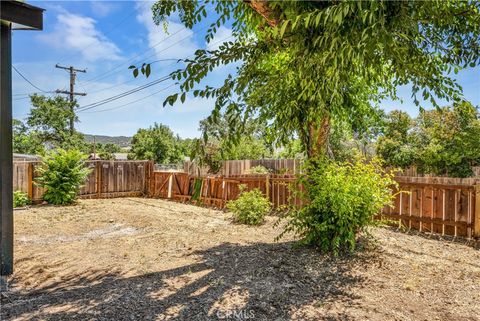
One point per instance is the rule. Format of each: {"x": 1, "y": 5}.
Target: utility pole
{"x": 71, "y": 93}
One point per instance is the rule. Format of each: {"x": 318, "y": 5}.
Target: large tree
{"x": 49, "y": 119}
{"x": 157, "y": 143}
{"x": 443, "y": 141}
{"x": 304, "y": 63}
{"x": 395, "y": 145}
{"x": 447, "y": 140}
{"x": 25, "y": 141}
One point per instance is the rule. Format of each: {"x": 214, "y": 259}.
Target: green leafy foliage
{"x": 395, "y": 144}
{"x": 250, "y": 207}
{"x": 443, "y": 141}
{"x": 447, "y": 140}
{"x": 258, "y": 170}
{"x": 219, "y": 143}
{"x": 20, "y": 199}
{"x": 49, "y": 119}
{"x": 104, "y": 151}
{"x": 25, "y": 141}
{"x": 157, "y": 143}
{"x": 341, "y": 199}
{"x": 62, "y": 173}
{"x": 292, "y": 149}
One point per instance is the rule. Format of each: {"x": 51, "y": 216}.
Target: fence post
{"x": 149, "y": 165}
{"x": 30, "y": 181}
{"x": 476, "y": 226}
{"x": 98, "y": 177}
{"x": 170, "y": 185}
{"x": 267, "y": 186}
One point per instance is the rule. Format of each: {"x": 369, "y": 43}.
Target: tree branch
{"x": 262, "y": 8}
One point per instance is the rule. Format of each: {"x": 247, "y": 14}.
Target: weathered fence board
{"x": 437, "y": 204}
{"x": 106, "y": 179}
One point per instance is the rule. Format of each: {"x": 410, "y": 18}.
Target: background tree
{"x": 49, "y": 118}
{"x": 292, "y": 149}
{"x": 442, "y": 141}
{"x": 157, "y": 143}
{"x": 447, "y": 140}
{"x": 395, "y": 143}
{"x": 219, "y": 143}
{"x": 26, "y": 141}
{"x": 104, "y": 151}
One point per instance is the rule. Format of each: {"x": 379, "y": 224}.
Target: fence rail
{"x": 106, "y": 179}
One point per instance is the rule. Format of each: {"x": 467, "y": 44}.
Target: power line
{"x": 109, "y": 72}
{"x": 133, "y": 79}
{"x": 26, "y": 79}
{"x": 132, "y": 61}
{"x": 121, "y": 95}
{"x": 129, "y": 103}
{"x": 16, "y": 99}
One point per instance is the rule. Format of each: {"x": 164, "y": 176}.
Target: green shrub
{"x": 20, "y": 199}
{"x": 250, "y": 207}
{"x": 258, "y": 170}
{"x": 62, "y": 173}
{"x": 341, "y": 201}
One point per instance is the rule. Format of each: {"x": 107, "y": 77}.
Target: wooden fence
{"x": 447, "y": 206}
{"x": 232, "y": 168}
{"x": 412, "y": 171}
{"x": 217, "y": 191}
{"x": 106, "y": 179}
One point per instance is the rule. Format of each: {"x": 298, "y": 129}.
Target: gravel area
{"x": 148, "y": 259}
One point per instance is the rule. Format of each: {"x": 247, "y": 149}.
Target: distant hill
{"x": 122, "y": 141}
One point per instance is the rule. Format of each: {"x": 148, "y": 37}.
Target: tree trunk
{"x": 318, "y": 137}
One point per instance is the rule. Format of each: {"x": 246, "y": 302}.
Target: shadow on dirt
{"x": 230, "y": 282}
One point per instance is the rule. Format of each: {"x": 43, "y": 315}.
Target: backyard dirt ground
{"x": 148, "y": 259}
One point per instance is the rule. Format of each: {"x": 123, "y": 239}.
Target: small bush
{"x": 62, "y": 173}
{"x": 258, "y": 170}
{"x": 341, "y": 201}
{"x": 250, "y": 207}
{"x": 20, "y": 199}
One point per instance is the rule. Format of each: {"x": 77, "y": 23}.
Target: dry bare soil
{"x": 146, "y": 259}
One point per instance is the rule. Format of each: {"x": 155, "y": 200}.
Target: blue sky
{"x": 105, "y": 38}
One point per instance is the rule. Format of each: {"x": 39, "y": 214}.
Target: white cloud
{"x": 177, "y": 42}
{"x": 78, "y": 33}
{"x": 103, "y": 8}
{"x": 222, "y": 34}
